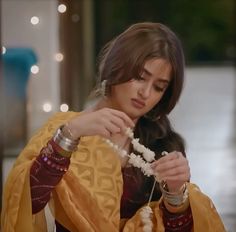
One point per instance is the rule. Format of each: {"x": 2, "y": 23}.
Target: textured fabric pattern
{"x": 88, "y": 196}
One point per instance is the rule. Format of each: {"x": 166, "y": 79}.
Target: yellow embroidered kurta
{"x": 88, "y": 196}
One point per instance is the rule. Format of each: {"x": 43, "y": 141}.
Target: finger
{"x": 163, "y": 167}
{"x": 166, "y": 158}
{"x": 127, "y": 120}
{"x": 112, "y": 128}
{"x": 154, "y": 164}
{"x": 176, "y": 171}
{"x": 104, "y": 133}
{"x": 165, "y": 163}
{"x": 174, "y": 158}
{"x": 171, "y": 156}
{"x": 119, "y": 123}
{"x": 169, "y": 170}
{"x": 180, "y": 177}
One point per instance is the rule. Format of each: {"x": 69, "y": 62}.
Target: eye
{"x": 159, "y": 89}
{"x": 139, "y": 78}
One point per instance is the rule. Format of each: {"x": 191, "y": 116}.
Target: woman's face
{"x": 139, "y": 95}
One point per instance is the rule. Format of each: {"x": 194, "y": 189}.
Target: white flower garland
{"x": 146, "y": 214}
{"x": 137, "y": 161}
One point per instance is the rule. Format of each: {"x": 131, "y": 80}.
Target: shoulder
{"x": 61, "y": 117}
{"x": 55, "y": 121}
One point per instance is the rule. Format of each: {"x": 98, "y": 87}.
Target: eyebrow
{"x": 159, "y": 79}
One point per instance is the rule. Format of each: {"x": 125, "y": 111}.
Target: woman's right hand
{"x": 104, "y": 122}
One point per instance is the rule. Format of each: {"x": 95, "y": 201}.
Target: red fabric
{"x": 177, "y": 222}
{"x": 133, "y": 193}
{"x": 49, "y": 167}
{"x": 46, "y": 172}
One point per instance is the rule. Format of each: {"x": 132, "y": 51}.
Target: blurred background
{"x": 48, "y": 64}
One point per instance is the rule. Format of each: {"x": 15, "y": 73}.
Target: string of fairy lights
{"x": 58, "y": 57}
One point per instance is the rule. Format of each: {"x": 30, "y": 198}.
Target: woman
{"x": 91, "y": 169}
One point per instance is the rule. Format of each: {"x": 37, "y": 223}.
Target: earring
{"x": 103, "y": 88}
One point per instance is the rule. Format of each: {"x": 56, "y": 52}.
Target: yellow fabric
{"x": 88, "y": 196}
{"x": 205, "y": 216}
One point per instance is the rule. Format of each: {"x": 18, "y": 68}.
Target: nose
{"x": 145, "y": 90}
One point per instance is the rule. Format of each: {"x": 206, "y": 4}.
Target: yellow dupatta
{"x": 88, "y": 196}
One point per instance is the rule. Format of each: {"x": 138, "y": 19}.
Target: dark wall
{"x": 206, "y": 27}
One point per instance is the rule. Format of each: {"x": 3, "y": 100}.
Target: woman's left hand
{"x": 173, "y": 169}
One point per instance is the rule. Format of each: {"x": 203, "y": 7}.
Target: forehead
{"x": 159, "y": 68}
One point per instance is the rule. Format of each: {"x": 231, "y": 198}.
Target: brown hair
{"x": 123, "y": 58}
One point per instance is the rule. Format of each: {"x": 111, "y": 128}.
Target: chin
{"x": 133, "y": 115}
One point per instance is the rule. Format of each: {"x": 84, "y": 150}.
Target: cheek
{"x": 124, "y": 89}
{"x": 155, "y": 99}
{"x": 118, "y": 93}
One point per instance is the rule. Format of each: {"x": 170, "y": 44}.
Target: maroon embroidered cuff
{"x": 173, "y": 222}
{"x": 52, "y": 158}
{"x": 46, "y": 172}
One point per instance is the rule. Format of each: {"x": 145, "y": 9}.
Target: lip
{"x": 137, "y": 103}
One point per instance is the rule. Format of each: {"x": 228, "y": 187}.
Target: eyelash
{"x": 139, "y": 78}
{"x": 157, "y": 88}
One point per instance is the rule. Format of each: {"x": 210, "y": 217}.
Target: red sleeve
{"x": 46, "y": 172}
{"x": 177, "y": 222}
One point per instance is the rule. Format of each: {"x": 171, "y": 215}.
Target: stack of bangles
{"x": 175, "y": 201}
{"x": 65, "y": 144}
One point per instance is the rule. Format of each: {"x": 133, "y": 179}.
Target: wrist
{"x": 176, "y": 209}
{"x": 178, "y": 200}
{"x": 73, "y": 129}
{"x": 64, "y": 140}
{"x": 69, "y": 132}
